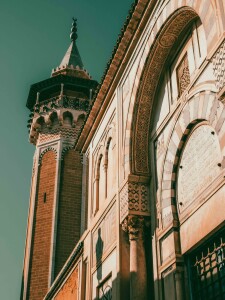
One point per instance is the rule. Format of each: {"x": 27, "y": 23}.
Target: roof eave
{"x": 128, "y": 41}
{"x": 44, "y": 84}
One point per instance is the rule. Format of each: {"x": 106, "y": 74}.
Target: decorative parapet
{"x": 134, "y": 198}
{"x": 62, "y": 101}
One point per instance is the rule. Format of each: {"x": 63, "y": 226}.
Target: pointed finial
{"x": 73, "y": 35}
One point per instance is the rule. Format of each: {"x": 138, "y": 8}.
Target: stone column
{"x": 179, "y": 284}
{"x": 134, "y": 226}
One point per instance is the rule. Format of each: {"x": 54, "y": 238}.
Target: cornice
{"x": 130, "y": 34}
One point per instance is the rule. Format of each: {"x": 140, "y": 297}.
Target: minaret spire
{"x": 73, "y": 35}
{"x": 72, "y": 64}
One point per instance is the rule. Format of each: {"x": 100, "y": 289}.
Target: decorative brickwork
{"x": 42, "y": 229}
{"x": 69, "y": 207}
{"x": 45, "y": 150}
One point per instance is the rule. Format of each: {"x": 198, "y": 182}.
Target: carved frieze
{"x": 63, "y": 102}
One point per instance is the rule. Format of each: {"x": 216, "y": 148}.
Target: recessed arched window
{"x": 54, "y": 119}
{"x": 67, "y": 118}
{"x": 40, "y": 123}
{"x": 187, "y": 60}
{"x": 109, "y": 168}
{"x": 99, "y": 185}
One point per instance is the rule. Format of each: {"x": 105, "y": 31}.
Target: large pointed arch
{"x": 165, "y": 35}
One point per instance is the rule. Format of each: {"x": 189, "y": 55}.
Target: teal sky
{"x": 34, "y": 38}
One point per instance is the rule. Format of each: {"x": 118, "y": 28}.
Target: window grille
{"x": 105, "y": 290}
{"x": 207, "y": 270}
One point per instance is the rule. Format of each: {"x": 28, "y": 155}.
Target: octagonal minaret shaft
{"x": 58, "y": 108}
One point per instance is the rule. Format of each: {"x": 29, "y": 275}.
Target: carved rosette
{"x": 134, "y": 226}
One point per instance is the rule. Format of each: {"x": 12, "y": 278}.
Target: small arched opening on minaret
{"x": 54, "y": 119}
{"x": 67, "y": 119}
{"x": 40, "y": 123}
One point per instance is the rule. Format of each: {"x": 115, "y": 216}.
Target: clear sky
{"x": 34, "y": 38}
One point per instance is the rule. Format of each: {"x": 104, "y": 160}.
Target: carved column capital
{"x": 134, "y": 226}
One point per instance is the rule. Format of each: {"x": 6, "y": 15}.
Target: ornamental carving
{"x": 134, "y": 226}
{"x": 183, "y": 75}
{"x": 134, "y": 199}
{"x": 62, "y": 102}
{"x": 148, "y": 85}
{"x": 219, "y": 66}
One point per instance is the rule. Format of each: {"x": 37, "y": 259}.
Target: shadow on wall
{"x": 107, "y": 289}
{"x": 99, "y": 252}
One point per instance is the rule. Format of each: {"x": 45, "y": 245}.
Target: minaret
{"x": 58, "y": 108}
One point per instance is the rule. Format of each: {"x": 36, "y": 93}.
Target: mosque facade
{"x": 127, "y": 198}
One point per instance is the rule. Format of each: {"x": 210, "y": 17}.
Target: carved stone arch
{"x": 158, "y": 55}
{"x": 167, "y": 25}
{"x": 50, "y": 148}
{"x": 202, "y": 107}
